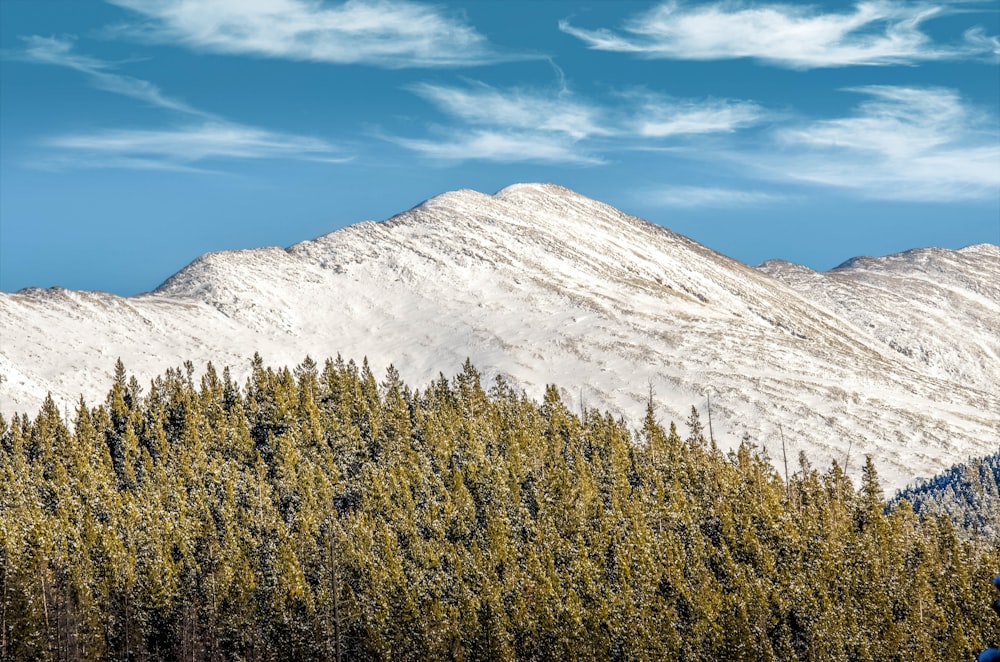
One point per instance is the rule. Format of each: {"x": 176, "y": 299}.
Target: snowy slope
{"x": 544, "y": 285}
{"x": 938, "y": 307}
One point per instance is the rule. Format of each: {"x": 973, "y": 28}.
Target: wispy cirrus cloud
{"x": 501, "y": 145}
{"x": 657, "y": 117}
{"x": 902, "y": 143}
{"x": 180, "y": 148}
{"x": 386, "y": 33}
{"x": 481, "y": 104}
{"x": 59, "y": 52}
{"x": 882, "y": 32}
{"x": 177, "y": 148}
{"x": 708, "y": 197}
{"x": 517, "y": 124}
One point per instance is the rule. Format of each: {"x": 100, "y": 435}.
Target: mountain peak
{"x": 449, "y": 199}
{"x": 520, "y": 191}
{"x": 982, "y": 249}
{"x": 535, "y": 190}
{"x": 544, "y": 285}
{"x": 775, "y": 266}
{"x": 469, "y": 203}
{"x": 919, "y": 258}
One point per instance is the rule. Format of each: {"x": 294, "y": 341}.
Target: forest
{"x": 322, "y": 513}
{"x": 968, "y": 493}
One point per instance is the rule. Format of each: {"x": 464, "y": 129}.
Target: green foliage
{"x": 319, "y": 513}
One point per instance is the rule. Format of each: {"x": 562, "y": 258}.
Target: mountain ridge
{"x": 543, "y": 285}
{"x": 959, "y": 290}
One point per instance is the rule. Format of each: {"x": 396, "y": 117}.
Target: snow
{"x": 940, "y": 308}
{"x": 896, "y": 357}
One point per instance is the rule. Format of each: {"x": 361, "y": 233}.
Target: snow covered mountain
{"x": 938, "y": 307}
{"x": 896, "y": 357}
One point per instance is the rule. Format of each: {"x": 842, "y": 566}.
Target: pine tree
{"x": 321, "y": 515}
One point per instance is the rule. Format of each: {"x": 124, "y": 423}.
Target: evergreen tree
{"x": 322, "y": 515}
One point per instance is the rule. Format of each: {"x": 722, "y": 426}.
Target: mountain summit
{"x": 543, "y": 285}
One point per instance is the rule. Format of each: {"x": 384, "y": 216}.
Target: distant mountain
{"x": 896, "y": 357}
{"x": 935, "y": 306}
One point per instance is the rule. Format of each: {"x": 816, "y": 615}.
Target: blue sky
{"x": 136, "y": 135}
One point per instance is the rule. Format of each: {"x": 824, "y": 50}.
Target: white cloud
{"x": 656, "y": 116}
{"x": 59, "y": 52}
{"x": 519, "y": 109}
{"x": 178, "y": 148}
{"x": 881, "y": 32}
{"x": 502, "y": 146}
{"x": 175, "y": 149}
{"x": 557, "y": 126}
{"x": 701, "y": 196}
{"x": 388, "y": 33}
{"x": 509, "y": 125}
{"x": 903, "y": 143}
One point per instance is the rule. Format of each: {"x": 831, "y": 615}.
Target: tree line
{"x": 321, "y": 513}
{"x": 968, "y": 494}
